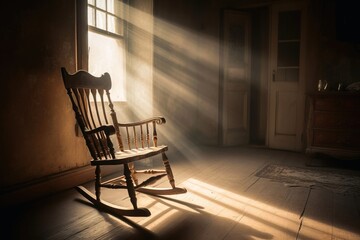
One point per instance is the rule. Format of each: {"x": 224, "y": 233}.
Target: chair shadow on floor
{"x": 192, "y": 223}
{"x": 138, "y": 229}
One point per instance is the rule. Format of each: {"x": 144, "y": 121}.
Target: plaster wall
{"x": 37, "y": 122}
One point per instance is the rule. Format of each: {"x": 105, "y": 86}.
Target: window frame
{"x": 107, "y": 13}
{"x": 116, "y": 36}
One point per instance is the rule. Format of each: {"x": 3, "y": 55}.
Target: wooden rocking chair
{"x": 86, "y": 93}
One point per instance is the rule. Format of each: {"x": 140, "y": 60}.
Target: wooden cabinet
{"x": 334, "y": 124}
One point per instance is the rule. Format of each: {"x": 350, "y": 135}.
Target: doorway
{"x": 277, "y": 76}
{"x": 235, "y": 87}
{"x": 275, "y": 105}
{"x": 244, "y": 100}
{"x": 286, "y": 76}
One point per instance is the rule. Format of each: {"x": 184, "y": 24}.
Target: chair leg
{"x": 130, "y": 186}
{"x": 168, "y": 170}
{"x": 111, "y": 208}
{"x": 133, "y": 173}
{"x": 97, "y": 182}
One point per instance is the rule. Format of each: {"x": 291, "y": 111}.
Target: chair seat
{"x": 133, "y": 155}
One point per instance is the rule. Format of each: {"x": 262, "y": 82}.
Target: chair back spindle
{"x": 141, "y": 136}
{"x": 115, "y": 122}
{"x": 86, "y": 94}
{"x": 135, "y": 137}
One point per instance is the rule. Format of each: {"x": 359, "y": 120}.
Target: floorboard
{"x": 346, "y": 221}
{"x": 225, "y": 200}
{"x": 317, "y": 217}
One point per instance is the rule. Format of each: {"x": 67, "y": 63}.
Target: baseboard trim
{"x": 48, "y": 185}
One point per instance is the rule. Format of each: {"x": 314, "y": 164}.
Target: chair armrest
{"x": 157, "y": 120}
{"x": 108, "y": 129}
{"x": 137, "y": 135}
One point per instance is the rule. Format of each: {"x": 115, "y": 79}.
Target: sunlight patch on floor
{"x": 269, "y": 221}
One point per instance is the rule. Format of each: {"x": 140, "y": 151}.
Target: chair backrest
{"x": 86, "y": 93}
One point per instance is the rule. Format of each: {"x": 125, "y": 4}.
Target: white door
{"x": 235, "y": 74}
{"x": 286, "y": 77}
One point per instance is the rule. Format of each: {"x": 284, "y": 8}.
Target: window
{"x": 288, "y": 55}
{"x": 106, "y": 43}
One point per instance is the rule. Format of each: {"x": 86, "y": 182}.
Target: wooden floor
{"x": 225, "y": 200}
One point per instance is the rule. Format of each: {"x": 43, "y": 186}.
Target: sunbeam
{"x": 177, "y": 61}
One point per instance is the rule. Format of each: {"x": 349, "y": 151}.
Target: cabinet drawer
{"x": 336, "y": 139}
{"x": 334, "y": 120}
{"x": 344, "y": 103}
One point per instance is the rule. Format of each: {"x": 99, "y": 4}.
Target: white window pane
{"x": 91, "y": 16}
{"x": 101, "y": 4}
{"x": 110, "y": 6}
{"x": 100, "y": 20}
{"x": 111, "y": 24}
{"x": 106, "y": 54}
{"x": 92, "y": 2}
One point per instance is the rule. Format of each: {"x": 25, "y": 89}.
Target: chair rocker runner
{"x": 86, "y": 94}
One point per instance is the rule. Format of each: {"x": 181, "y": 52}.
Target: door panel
{"x": 285, "y": 102}
{"x": 286, "y": 85}
{"x": 237, "y": 120}
{"x": 235, "y": 78}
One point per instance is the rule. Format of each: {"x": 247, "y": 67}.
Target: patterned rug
{"x": 336, "y": 180}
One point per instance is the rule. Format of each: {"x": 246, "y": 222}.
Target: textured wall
{"x": 186, "y": 53}
{"x": 37, "y": 123}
